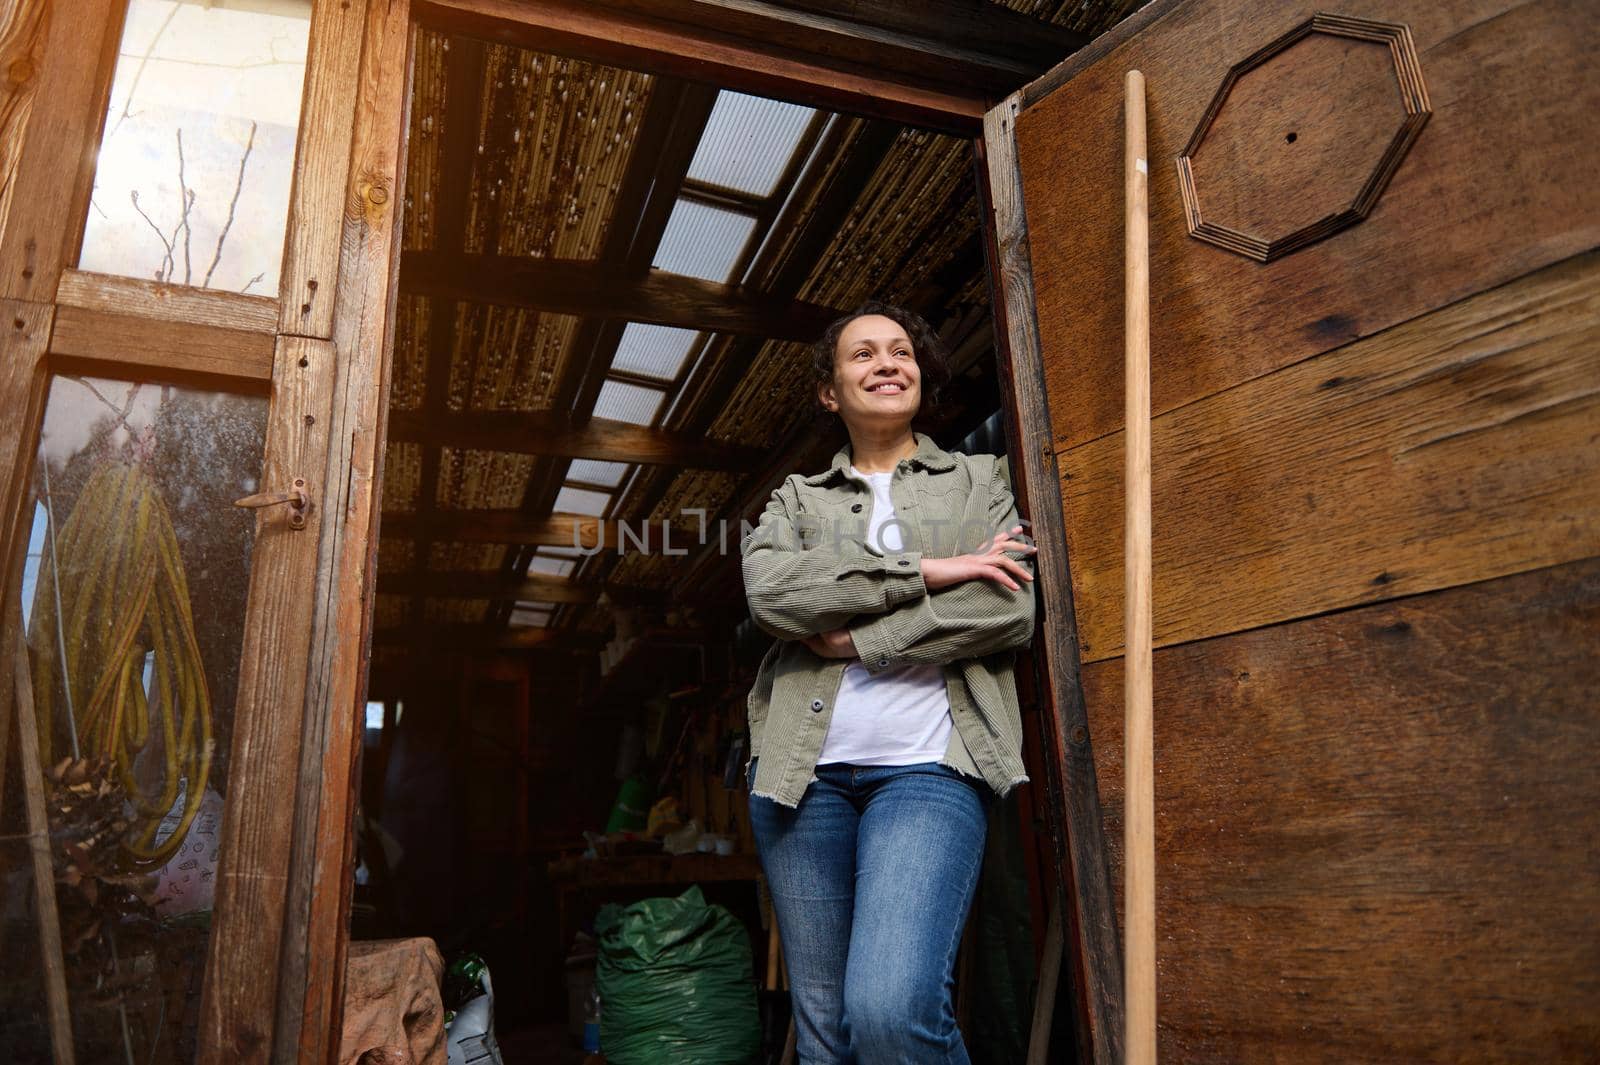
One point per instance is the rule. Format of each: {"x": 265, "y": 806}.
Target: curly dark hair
{"x": 933, "y": 358}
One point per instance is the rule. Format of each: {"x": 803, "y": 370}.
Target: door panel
{"x": 1376, "y": 518}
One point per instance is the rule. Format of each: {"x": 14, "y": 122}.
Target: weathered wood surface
{"x": 1081, "y": 872}
{"x": 552, "y": 433}
{"x": 21, "y": 54}
{"x": 393, "y": 1011}
{"x": 1459, "y": 216}
{"x": 1376, "y": 829}
{"x": 238, "y": 1005}
{"x": 565, "y": 286}
{"x": 321, "y": 168}
{"x": 769, "y": 68}
{"x": 50, "y": 184}
{"x": 136, "y": 346}
{"x": 170, "y": 303}
{"x": 322, "y": 867}
{"x": 1456, "y": 447}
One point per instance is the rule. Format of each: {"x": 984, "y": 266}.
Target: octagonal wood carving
{"x": 1302, "y": 136}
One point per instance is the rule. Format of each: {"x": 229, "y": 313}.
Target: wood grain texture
{"x": 238, "y": 1005}
{"x": 1453, "y": 448}
{"x": 322, "y": 869}
{"x": 1376, "y": 829}
{"x": 139, "y": 346}
{"x": 1079, "y": 843}
{"x": 21, "y": 54}
{"x": 53, "y": 173}
{"x": 1456, "y": 219}
{"x": 321, "y": 169}
{"x": 170, "y": 303}
{"x": 626, "y": 39}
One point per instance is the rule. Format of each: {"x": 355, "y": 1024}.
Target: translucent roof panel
{"x": 747, "y": 142}
{"x": 628, "y": 403}
{"x": 581, "y": 501}
{"x": 535, "y": 619}
{"x": 653, "y": 350}
{"x": 544, "y": 566}
{"x": 594, "y": 471}
{"x": 703, "y": 241}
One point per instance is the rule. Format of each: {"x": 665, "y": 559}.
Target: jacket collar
{"x": 929, "y": 456}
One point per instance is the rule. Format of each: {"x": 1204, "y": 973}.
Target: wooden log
{"x": 1454, "y": 448}
{"x": 1377, "y": 829}
{"x": 593, "y": 289}
{"x": 1455, "y": 220}
{"x": 1139, "y": 910}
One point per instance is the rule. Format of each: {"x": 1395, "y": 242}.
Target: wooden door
{"x": 1375, "y": 334}
{"x": 141, "y": 141}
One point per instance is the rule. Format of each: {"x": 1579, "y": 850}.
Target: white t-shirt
{"x": 899, "y": 716}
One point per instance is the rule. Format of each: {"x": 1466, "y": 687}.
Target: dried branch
{"x": 161, "y": 270}
{"x": 139, "y": 72}
{"x": 233, "y": 204}
{"x": 186, "y": 195}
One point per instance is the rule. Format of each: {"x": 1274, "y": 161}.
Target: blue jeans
{"x": 871, "y": 877}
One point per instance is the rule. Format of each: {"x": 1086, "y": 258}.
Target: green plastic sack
{"x": 675, "y": 983}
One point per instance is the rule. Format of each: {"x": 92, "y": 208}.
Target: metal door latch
{"x": 296, "y": 497}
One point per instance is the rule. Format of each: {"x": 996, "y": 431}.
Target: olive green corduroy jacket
{"x": 808, "y": 569}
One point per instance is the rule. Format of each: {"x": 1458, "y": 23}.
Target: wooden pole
{"x": 1139, "y": 972}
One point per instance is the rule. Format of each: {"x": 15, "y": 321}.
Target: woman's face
{"x": 876, "y": 380}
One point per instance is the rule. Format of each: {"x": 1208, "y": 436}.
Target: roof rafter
{"x": 554, "y": 434}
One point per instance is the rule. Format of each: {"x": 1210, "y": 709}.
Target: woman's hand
{"x": 836, "y": 643}
{"x": 989, "y": 563}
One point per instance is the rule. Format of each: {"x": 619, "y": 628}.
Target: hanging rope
{"x": 123, "y": 595}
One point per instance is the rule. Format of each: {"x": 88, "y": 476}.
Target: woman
{"x": 885, "y": 717}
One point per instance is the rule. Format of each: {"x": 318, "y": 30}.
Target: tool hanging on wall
{"x": 1139, "y": 970}
{"x": 128, "y": 662}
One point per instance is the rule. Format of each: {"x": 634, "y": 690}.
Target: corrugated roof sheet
{"x": 703, "y": 241}
{"x": 594, "y": 471}
{"x": 653, "y": 350}
{"x": 748, "y": 141}
{"x": 581, "y": 501}
{"x": 628, "y": 403}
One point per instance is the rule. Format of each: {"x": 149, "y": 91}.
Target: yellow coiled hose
{"x": 123, "y": 593}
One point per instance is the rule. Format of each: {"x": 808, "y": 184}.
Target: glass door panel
{"x": 133, "y": 603}
{"x": 196, "y": 158}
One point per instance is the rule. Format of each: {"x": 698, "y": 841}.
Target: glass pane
{"x": 703, "y": 241}
{"x": 594, "y": 471}
{"x": 581, "y": 501}
{"x": 192, "y": 182}
{"x": 748, "y": 141}
{"x": 133, "y": 601}
{"x": 546, "y": 566}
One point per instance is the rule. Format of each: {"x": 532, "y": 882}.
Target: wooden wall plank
{"x": 170, "y": 303}
{"x": 1081, "y": 872}
{"x": 22, "y": 43}
{"x": 139, "y": 346}
{"x": 311, "y": 979}
{"x": 1376, "y": 829}
{"x": 1453, "y": 448}
{"x": 54, "y": 170}
{"x": 237, "y": 1012}
{"x": 1457, "y": 218}
{"x": 321, "y": 169}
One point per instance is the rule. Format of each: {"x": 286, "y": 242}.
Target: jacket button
{"x": 816, "y": 704}
{"x": 882, "y": 662}
{"x": 905, "y": 562}
{"x": 855, "y": 508}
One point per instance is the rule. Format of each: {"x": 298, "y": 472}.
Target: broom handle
{"x": 1139, "y": 973}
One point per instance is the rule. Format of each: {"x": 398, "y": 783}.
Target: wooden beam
{"x": 475, "y": 635}
{"x": 487, "y": 584}
{"x": 549, "y": 433}
{"x": 134, "y": 346}
{"x": 767, "y": 67}
{"x": 595, "y": 289}
{"x": 557, "y": 530}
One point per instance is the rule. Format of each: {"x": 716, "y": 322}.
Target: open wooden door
{"x": 1375, "y": 314}
{"x": 228, "y": 151}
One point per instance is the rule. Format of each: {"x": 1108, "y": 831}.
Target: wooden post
{"x": 1139, "y": 972}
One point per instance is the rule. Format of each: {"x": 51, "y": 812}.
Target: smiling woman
{"x": 885, "y": 719}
